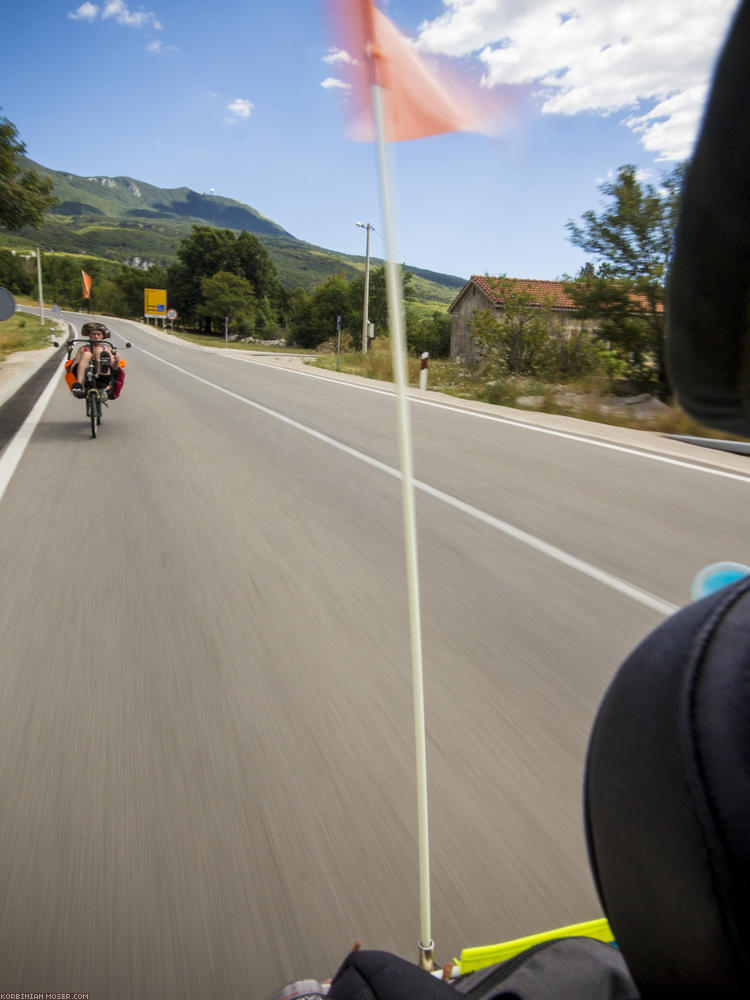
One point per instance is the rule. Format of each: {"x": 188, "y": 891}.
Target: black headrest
{"x": 667, "y": 799}
{"x": 708, "y": 333}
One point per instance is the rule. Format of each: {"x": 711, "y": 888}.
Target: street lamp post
{"x": 366, "y": 316}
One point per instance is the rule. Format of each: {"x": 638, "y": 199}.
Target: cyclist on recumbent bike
{"x": 105, "y": 361}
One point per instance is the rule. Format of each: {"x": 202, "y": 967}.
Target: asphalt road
{"x": 206, "y": 749}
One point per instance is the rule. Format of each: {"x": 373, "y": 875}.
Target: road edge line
{"x": 17, "y": 445}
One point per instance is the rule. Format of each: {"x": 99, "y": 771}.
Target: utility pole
{"x": 39, "y": 282}
{"x": 365, "y": 316}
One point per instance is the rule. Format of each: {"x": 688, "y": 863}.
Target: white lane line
{"x": 12, "y": 455}
{"x": 600, "y": 575}
{"x": 568, "y": 435}
{"x": 572, "y": 562}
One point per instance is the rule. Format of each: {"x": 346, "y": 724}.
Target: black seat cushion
{"x": 667, "y": 802}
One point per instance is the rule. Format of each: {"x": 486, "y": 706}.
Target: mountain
{"x": 127, "y": 220}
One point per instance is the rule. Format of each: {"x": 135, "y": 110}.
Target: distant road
{"x": 206, "y": 757}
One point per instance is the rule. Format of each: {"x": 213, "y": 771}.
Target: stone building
{"x": 483, "y": 292}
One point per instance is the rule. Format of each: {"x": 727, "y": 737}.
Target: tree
{"x": 14, "y": 274}
{"x": 208, "y": 251}
{"x": 251, "y": 261}
{"x": 202, "y": 254}
{"x": 300, "y": 308}
{"x": 131, "y": 282}
{"x": 61, "y": 276}
{"x": 329, "y": 300}
{"x": 632, "y": 240}
{"x": 431, "y": 333}
{"x": 377, "y": 299}
{"x": 267, "y": 325}
{"x": 24, "y": 195}
{"x": 109, "y": 298}
{"x": 520, "y": 340}
{"x": 226, "y": 294}
{"x": 379, "y": 295}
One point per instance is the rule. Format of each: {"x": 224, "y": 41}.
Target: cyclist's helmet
{"x": 88, "y": 328}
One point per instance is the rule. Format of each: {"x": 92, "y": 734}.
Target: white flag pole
{"x": 398, "y": 355}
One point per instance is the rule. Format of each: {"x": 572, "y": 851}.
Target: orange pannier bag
{"x": 69, "y": 375}
{"x": 118, "y": 377}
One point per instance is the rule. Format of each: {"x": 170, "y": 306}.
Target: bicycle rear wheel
{"x": 91, "y": 411}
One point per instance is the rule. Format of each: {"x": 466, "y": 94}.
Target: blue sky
{"x": 246, "y": 99}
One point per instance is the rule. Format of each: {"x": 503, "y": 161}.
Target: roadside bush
{"x": 432, "y": 334}
{"x": 15, "y": 275}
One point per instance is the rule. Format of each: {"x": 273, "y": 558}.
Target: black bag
{"x": 577, "y": 968}
{"x": 574, "y": 968}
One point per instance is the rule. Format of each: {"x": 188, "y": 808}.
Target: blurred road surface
{"x": 206, "y": 749}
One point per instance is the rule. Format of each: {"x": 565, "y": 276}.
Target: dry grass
{"x": 678, "y": 422}
{"x": 586, "y": 399}
{"x": 24, "y": 333}
{"x": 375, "y": 364}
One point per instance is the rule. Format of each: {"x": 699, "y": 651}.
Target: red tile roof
{"x": 541, "y": 292}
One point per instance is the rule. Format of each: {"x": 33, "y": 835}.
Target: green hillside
{"x": 130, "y": 221}
{"x": 129, "y": 200}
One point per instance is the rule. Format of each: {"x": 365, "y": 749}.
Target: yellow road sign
{"x": 154, "y": 301}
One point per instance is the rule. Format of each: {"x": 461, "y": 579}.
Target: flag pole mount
{"x": 427, "y": 956}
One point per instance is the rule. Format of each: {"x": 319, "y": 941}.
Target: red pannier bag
{"x": 118, "y": 378}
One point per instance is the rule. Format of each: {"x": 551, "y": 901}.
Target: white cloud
{"x": 664, "y": 127}
{"x": 337, "y": 57}
{"x": 652, "y": 60}
{"x": 118, "y": 10}
{"x": 334, "y": 56}
{"x": 86, "y": 12}
{"x": 132, "y": 19}
{"x": 333, "y": 82}
{"x": 239, "y": 108}
{"x": 158, "y": 48}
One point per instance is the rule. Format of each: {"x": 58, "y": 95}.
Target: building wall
{"x": 463, "y": 348}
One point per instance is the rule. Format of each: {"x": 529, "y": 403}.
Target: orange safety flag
{"x": 86, "y": 279}
{"x": 416, "y": 102}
